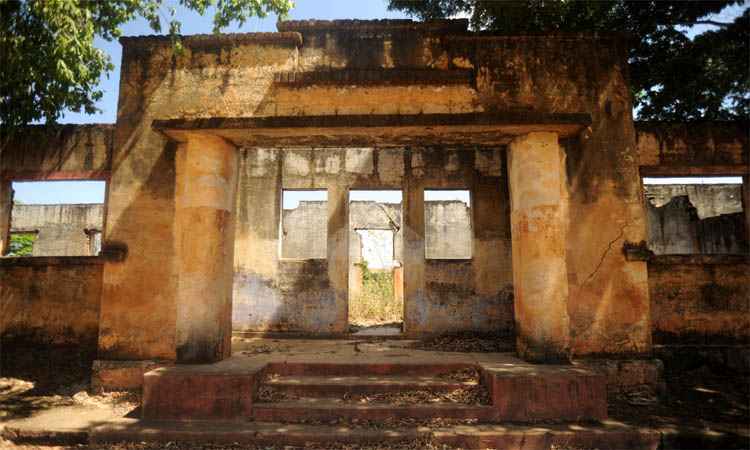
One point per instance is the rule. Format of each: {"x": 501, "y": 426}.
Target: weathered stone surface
{"x": 206, "y": 186}
{"x": 678, "y": 227}
{"x": 534, "y": 393}
{"x": 228, "y": 85}
{"x": 539, "y": 216}
{"x": 107, "y": 375}
{"x": 50, "y": 300}
{"x": 698, "y": 146}
{"x": 629, "y": 375}
{"x": 61, "y": 230}
{"x": 700, "y": 299}
{"x": 58, "y": 153}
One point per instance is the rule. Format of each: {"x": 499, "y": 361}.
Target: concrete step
{"x": 519, "y": 392}
{"x": 536, "y": 437}
{"x": 362, "y": 369}
{"x": 306, "y": 410}
{"x": 338, "y": 386}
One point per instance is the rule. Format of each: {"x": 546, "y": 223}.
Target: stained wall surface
{"x": 62, "y": 152}
{"x": 695, "y": 145}
{"x": 700, "y": 300}
{"x": 303, "y": 231}
{"x": 62, "y": 230}
{"x": 695, "y": 219}
{"x": 50, "y": 300}
{"x": 373, "y": 68}
{"x": 58, "y": 152}
{"x": 310, "y": 295}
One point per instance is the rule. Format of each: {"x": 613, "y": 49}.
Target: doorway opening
{"x": 376, "y": 286}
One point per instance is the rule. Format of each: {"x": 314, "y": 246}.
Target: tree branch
{"x": 706, "y": 22}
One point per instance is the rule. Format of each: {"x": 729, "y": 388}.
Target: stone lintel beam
{"x": 386, "y": 129}
{"x": 539, "y": 216}
{"x": 206, "y": 184}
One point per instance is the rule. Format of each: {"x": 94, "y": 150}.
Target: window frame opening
{"x": 470, "y": 217}
{"x": 65, "y": 194}
{"x": 283, "y": 233}
{"x": 691, "y": 226}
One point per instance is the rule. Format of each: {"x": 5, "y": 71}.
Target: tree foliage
{"x": 672, "y": 76}
{"x": 50, "y": 63}
{"x": 21, "y": 244}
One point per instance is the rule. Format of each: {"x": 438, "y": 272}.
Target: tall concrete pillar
{"x": 413, "y": 254}
{"x": 6, "y": 205}
{"x": 206, "y": 184}
{"x": 338, "y": 252}
{"x": 539, "y": 209}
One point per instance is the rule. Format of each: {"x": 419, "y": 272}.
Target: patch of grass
{"x": 376, "y": 303}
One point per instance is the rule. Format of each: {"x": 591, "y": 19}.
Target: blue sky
{"x": 192, "y": 23}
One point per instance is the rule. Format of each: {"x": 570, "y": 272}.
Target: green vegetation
{"x": 21, "y": 244}
{"x": 376, "y": 302}
{"x": 49, "y": 58}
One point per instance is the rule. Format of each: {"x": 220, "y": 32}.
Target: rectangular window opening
{"x": 448, "y": 229}
{"x": 55, "y": 218}
{"x": 304, "y": 224}
{"x": 695, "y": 215}
{"x": 376, "y": 293}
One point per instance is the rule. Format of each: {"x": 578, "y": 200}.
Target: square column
{"x": 539, "y": 216}
{"x": 338, "y": 253}
{"x": 206, "y": 185}
{"x": 412, "y": 219}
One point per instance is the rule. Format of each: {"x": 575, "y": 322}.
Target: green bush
{"x": 21, "y": 244}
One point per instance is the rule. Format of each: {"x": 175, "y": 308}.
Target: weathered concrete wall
{"x": 63, "y": 230}
{"x": 75, "y": 152}
{"x": 447, "y": 230}
{"x": 63, "y": 152}
{"x": 286, "y": 295}
{"x": 304, "y": 231}
{"x": 51, "y": 300}
{"x": 699, "y": 302}
{"x": 708, "y": 199}
{"x": 693, "y": 145}
{"x": 448, "y": 233}
{"x": 700, "y": 299}
{"x": 236, "y": 76}
{"x": 676, "y": 228}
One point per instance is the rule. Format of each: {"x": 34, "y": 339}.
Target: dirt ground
{"x": 701, "y": 408}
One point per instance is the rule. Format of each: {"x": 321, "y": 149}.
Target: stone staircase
{"x": 368, "y": 393}
{"x": 469, "y": 405}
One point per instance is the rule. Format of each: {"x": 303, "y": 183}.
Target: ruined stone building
{"x": 60, "y": 230}
{"x": 539, "y": 130}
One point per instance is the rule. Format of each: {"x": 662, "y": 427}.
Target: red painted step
{"x": 338, "y": 386}
{"x": 507, "y": 437}
{"x": 354, "y": 369}
{"x": 301, "y": 411}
